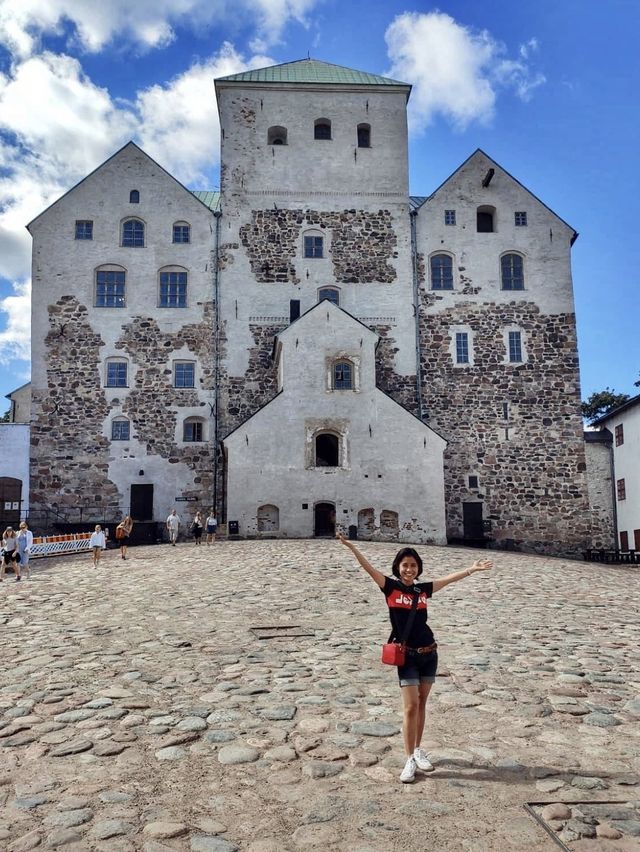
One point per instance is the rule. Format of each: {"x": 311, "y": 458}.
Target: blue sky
{"x": 546, "y": 88}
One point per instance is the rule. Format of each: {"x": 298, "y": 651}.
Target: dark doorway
{"x": 327, "y": 450}
{"x": 485, "y": 222}
{"x": 141, "y": 502}
{"x": 472, "y": 521}
{"x": 324, "y": 519}
{"x": 10, "y": 501}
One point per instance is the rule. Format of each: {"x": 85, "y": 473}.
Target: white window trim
{"x": 523, "y": 345}
{"x": 354, "y": 360}
{"x": 461, "y": 329}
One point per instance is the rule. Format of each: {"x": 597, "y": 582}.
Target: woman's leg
{"x": 423, "y": 693}
{"x": 411, "y": 707}
{"x": 16, "y": 568}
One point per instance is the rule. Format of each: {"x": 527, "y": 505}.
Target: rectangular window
{"x": 505, "y": 410}
{"x": 449, "y": 217}
{"x": 173, "y": 289}
{"x": 313, "y": 246}
{"x": 117, "y": 374}
{"x": 462, "y": 347}
{"x": 515, "y": 347}
{"x": 181, "y": 234}
{"x": 110, "y": 289}
{"x": 622, "y": 490}
{"x": 184, "y": 375}
{"x": 624, "y": 540}
{"x": 193, "y": 430}
{"x": 473, "y": 482}
{"x": 619, "y": 434}
{"x": 120, "y": 430}
{"x": 84, "y": 229}
{"x": 521, "y": 219}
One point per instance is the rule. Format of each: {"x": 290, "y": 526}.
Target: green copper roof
{"x": 310, "y": 71}
{"x": 209, "y": 197}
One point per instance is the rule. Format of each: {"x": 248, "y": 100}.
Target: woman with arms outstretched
{"x": 419, "y": 672}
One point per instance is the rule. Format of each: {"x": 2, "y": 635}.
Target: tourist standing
{"x": 173, "y": 525}
{"x": 196, "y": 528}
{"x": 25, "y": 543}
{"x": 97, "y": 543}
{"x": 409, "y": 626}
{"x": 10, "y": 555}
{"x": 123, "y": 531}
{"x": 212, "y": 526}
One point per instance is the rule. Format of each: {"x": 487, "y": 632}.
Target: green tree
{"x": 5, "y": 416}
{"x": 601, "y": 403}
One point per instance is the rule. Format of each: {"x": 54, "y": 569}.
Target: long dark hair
{"x": 402, "y": 554}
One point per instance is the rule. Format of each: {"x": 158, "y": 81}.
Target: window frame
{"x": 520, "y": 219}
{"x": 340, "y": 364}
{"x": 178, "y": 298}
{"x": 507, "y": 281}
{"x": 195, "y": 425}
{"x": 487, "y": 210}
{"x": 309, "y": 249}
{"x": 462, "y": 348}
{"x": 110, "y": 285}
{"x": 81, "y": 229}
{"x": 182, "y": 364}
{"x": 515, "y": 347}
{"x": 133, "y": 240}
{"x": 322, "y": 122}
{"x": 621, "y": 489}
{"x": 619, "y": 434}
{"x": 363, "y": 127}
{"x": 115, "y": 380}
{"x": 120, "y": 421}
{"x": 439, "y": 285}
{"x": 134, "y": 196}
{"x": 182, "y": 228}
{"x": 277, "y": 135}
{"x": 329, "y": 289}
{"x": 450, "y": 217}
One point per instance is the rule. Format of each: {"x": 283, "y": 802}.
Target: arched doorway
{"x": 324, "y": 519}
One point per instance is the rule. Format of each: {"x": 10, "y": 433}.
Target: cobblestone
{"x": 140, "y": 711}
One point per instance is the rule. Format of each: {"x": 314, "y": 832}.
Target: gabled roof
{"x": 630, "y": 403}
{"x": 515, "y": 180}
{"x": 97, "y": 169}
{"x": 325, "y": 303}
{"x": 209, "y": 197}
{"x": 311, "y": 71}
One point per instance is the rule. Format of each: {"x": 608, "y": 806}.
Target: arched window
{"x": 277, "y": 135}
{"x": 512, "y": 271}
{"x": 117, "y": 373}
{"x": 193, "y": 430}
{"x": 366, "y": 523}
{"x": 441, "y": 272}
{"x": 133, "y": 233}
{"x": 322, "y": 128}
{"x": 485, "y": 219}
{"x": 120, "y": 429}
{"x": 110, "y": 287}
{"x": 268, "y": 518}
{"x": 173, "y": 288}
{"x": 343, "y": 375}
{"x": 364, "y": 136}
{"x": 331, "y": 294}
{"x": 181, "y": 232}
{"x": 134, "y": 197}
{"x": 327, "y": 450}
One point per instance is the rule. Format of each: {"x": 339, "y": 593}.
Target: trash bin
{"x": 234, "y": 528}
{"x": 353, "y": 532}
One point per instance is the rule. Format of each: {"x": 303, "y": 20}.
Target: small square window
{"x": 619, "y": 434}
{"x": 184, "y": 374}
{"x": 181, "y": 234}
{"x": 117, "y": 374}
{"x": 621, "y": 489}
{"x": 462, "y": 348}
{"x": 515, "y": 347}
{"x": 313, "y": 246}
{"x": 449, "y": 217}
{"x": 120, "y": 430}
{"x": 84, "y": 229}
{"x": 473, "y": 482}
{"x": 521, "y": 219}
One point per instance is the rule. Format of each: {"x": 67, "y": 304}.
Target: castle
{"x": 311, "y": 348}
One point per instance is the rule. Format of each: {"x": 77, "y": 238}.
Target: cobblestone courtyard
{"x": 143, "y": 708}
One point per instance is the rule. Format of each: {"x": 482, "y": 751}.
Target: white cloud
{"x": 15, "y": 339}
{"x": 455, "y": 72}
{"x": 146, "y": 23}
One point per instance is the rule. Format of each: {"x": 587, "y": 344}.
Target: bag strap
{"x": 412, "y": 615}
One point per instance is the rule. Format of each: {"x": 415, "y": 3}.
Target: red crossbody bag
{"x": 395, "y": 653}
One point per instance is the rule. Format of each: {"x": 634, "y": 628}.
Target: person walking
{"x": 97, "y": 543}
{"x": 123, "y": 531}
{"x": 173, "y": 525}
{"x": 212, "y": 526}
{"x": 196, "y": 528}
{"x": 10, "y": 555}
{"x": 407, "y": 602}
{"x": 25, "y": 543}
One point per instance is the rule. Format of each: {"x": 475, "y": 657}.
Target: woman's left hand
{"x": 482, "y": 565}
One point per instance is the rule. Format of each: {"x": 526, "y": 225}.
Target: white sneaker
{"x": 408, "y": 774}
{"x": 422, "y": 761}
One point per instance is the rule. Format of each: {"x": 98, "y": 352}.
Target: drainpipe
{"x": 413, "y": 215}
{"x": 216, "y": 342}
{"x": 614, "y": 496}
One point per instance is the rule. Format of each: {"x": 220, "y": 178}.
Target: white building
{"x": 14, "y": 459}
{"x": 167, "y": 329}
{"x": 624, "y": 423}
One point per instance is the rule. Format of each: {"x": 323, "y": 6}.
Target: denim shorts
{"x": 419, "y": 668}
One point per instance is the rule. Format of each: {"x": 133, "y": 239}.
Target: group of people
{"x": 198, "y": 527}
{"x": 16, "y": 549}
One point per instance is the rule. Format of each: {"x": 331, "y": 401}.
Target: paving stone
{"x": 71, "y": 747}
{"x": 206, "y": 843}
{"x": 230, "y": 755}
{"x": 165, "y": 829}
{"x": 107, "y": 828}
